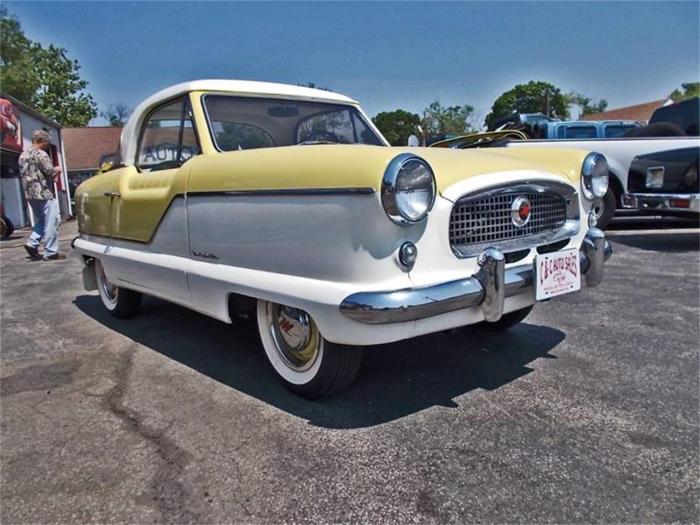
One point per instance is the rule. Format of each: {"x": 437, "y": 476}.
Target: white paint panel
{"x": 345, "y": 238}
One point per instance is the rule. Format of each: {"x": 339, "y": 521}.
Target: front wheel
{"x": 120, "y": 302}
{"x": 302, "y": 359}
{"x": 605, "y": 209}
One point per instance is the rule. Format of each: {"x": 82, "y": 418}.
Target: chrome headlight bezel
{"x": 392, "y": 205}
{"x": 595, "y": 176}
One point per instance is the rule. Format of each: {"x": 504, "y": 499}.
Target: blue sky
{"x": 387, "y": 55}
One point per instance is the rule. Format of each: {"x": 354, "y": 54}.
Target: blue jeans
{"x": 46, "y": 220}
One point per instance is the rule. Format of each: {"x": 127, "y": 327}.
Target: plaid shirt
{"x": 36, "y": 171}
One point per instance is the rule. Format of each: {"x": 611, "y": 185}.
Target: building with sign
{"x": 86, "y": 150}
{"x": 17, "y": 121}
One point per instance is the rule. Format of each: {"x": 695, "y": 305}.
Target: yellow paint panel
{"x": 92, "y": 206}
{"x": 330, "y": 166}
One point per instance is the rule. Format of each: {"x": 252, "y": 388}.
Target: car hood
{"x": 358, "y": 166}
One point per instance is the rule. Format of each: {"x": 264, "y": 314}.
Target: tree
{"x": 690, "y": 90}
{"x": 16, "y": 69}
{"x": 584, "y": 103}
{"x": 116, "y": 114}
{"x": 44, "y": 78}
{"x": 533, "y": 97}
{"x": 397, "y": 125}
{"x": 451, "y": 120}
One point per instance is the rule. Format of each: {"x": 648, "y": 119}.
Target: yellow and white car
{"x": 234, "y": 197}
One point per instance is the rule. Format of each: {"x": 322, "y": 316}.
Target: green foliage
{"x": 690, "y": 90}
{"x": 585, "y": 104}
{"x": 533, "y": 97}
{"x": 116, "y": 114}
{"x": 43, "y": 78}
{"x": 451, "y": 120}
{"x": 17, "y": 74}
{"x": 397, "y": 125}
{"x": 242, "y": 136}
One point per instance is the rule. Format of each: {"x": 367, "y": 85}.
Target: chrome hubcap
{"x": 295, "y": 335}
{"x": 109, "y": 289}
{"x": 598, "y": 209}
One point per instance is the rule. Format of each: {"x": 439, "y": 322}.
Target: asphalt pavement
{"x": 586, "y": 412}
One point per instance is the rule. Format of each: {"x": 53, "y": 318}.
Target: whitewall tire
{"x": 120, "y": 302}
{"x": 302, "y": 359}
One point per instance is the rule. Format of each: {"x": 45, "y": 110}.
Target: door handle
{"x": 112, "y": 194}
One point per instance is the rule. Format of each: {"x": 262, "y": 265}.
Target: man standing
{"x": 38, "y": 174}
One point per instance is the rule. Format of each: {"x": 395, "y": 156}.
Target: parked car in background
{"x": 584, "y": 129}
{"x": 653, "y": 168}
{"x": 646, "y": 173}
{"x": 286, "y": 203}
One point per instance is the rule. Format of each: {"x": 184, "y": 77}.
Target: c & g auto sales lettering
{"x": 554, "y": 266}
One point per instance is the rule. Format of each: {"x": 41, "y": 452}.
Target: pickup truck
{"x": 585, "y": 129}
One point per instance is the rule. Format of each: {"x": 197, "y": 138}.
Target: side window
{"x": 165, "y": 141}
{"x": 190, "y": 147}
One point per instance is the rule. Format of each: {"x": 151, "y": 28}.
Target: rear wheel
{"x": 302, "y": 359}
{"x": 120, "y": 302}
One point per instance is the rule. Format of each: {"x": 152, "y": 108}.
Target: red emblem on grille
{"x": 520, "y": 210}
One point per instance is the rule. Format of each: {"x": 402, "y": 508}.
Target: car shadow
{"x": 659, "y": 242}
{"x": 396, "y": 379}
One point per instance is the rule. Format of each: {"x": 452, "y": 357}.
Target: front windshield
{"x": 239, "y": 123}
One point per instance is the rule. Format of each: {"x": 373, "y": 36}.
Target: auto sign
{"x": 557, "y": 273}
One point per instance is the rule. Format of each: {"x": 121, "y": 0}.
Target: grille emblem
{"x": 520, "y": 210}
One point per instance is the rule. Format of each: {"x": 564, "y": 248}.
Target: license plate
{"x": 557, "y": 273}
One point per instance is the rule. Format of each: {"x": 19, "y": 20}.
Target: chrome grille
{"x": 487, "y": 220}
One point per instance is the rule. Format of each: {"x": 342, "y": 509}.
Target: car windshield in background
{"x": 239, "y": 123}
{"x": 617, "y": 131}
{"x": 577, "y": 132}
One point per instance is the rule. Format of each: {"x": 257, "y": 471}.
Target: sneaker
{"x": 54, "y": 257}
{"x": 32, "y": 251}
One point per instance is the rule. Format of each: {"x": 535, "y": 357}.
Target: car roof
{"x": 129, "y": 137}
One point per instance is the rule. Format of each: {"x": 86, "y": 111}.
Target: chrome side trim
{"x": 487, "y": 288}
{"x": 286, "y": 192}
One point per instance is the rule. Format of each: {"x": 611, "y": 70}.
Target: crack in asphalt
{"x": 168, "y": 494}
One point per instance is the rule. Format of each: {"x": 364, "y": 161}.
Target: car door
{"x": 148, "y": 211}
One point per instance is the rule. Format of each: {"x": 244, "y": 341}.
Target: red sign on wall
{"x": 10, "y": 128}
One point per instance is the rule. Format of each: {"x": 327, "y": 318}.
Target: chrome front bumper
{"x": 487, "y": 289}
{"x": 662, "y": 201}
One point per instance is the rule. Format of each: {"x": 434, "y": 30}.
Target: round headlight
{"x": 594, "y": 176}
{"x": 408, "y": 189}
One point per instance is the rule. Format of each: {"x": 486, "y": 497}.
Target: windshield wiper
{"x": 314, "y": 142}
